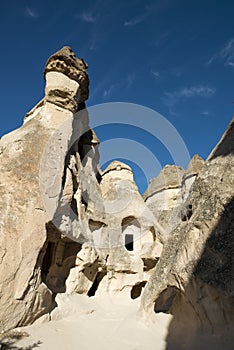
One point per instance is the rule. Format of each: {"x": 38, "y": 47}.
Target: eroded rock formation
{"x": 194, "y": 277}
{"x": 166, "y": 195}
{"x": 73, "y": 228}
{"x": 35, "y": 255}
{"x": 67, "y": 227}
{"x": 123, "y": 246}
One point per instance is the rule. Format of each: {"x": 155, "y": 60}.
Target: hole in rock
{"x": 187, "y": 213}
{"x": 165, "y": 300}
{"x": 137, "y": 289}
{"x": 149, "y": 263}
{"x": 95, "y": 225}
{"x": 96, "y": 283}
{"x": 58, "y": 257}
{"x": 152, "y": 230}
{"x": 131, "y": 232}
{"x": 83, "y": 201}
{"x": 129, "y": 242}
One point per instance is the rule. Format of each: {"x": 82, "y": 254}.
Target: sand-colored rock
{"x": 68, "y": 228}
{"x": 65, "y": 226}
{"x": 164, "y": 196}
{"x": 194, "y": 277}
{"x": 65, "y": 61}
{"x": 167, "y": 194}
{"x": 195, "y": 166}
{"x": 121, "y": 228}
{"x": 32, "y": 173}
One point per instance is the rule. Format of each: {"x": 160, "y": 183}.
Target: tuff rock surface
{"x": 166, "y": 195}
{"x": 35, "y": 256}
{"x": 68, "y": 227}
{"x": 194, "y": 277}
{"x": 65, "y": 226}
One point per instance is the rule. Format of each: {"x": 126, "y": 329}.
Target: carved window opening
{"x": 131, "y": 232}
{"x": 129, "y": 242}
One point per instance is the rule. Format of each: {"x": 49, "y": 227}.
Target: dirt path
{"x": 97, "y": 324}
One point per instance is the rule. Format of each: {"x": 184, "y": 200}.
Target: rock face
{"x": 193, "y": 169}
{"x": 35, "y": 256}
{"x": 123, "y": 238}
{"x": 194, "y": 277}
{"x": 167, "y": 194}
{"x": 67, "y": 79}
{"x": 67, "y": 227}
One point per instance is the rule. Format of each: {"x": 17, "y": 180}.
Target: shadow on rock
{"x": 204, "y": 312}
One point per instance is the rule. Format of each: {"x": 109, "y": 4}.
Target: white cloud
{"x": 87, "y": 17}
{"x": 205, "y": 113}
{"x": 139, "y": 19}
{"x": 155, "y": 74}
{"x": 108, "y": 91}
{"x": 31, "y": 13}
{"x": 203, "y": 91}
{"x": 172, "y": 98}
{"x": 226, "y": 54}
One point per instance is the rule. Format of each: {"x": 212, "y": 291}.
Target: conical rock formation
{"x": 194, "y": 277}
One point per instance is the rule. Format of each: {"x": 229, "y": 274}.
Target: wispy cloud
{"x": 226, "y": 54}
{"x": 31, "y": 13}
{"x": 138, "y": 19}
{"x": 130, "y": 80}
{"x": 161, "y": 39}
{"x": 205, "y": 113}
{"x": 202, "y": 91}
{"x": 107, "y": 92}
{"x": 155, "y": 74}
{"x": 172, "y": 98}
{"x": 87, "y": 17}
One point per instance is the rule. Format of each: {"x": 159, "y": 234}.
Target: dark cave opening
{"x": 137, "y": 289}
{"x": 99, "y": 277}
{"x": 58, "y": 257}
{"x": 129, "y": 242}
{"x": 165, "y": 300}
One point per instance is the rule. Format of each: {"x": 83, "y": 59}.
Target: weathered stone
{"x": 82, "y": 276}
{"x": 195, "y": 166}
{"x": 68, "y": 228}
{"x": 194, "y": 277}
{"x": 164, "y": 196}
{"x": 65, "y": 61}
{"x": 170, "y": 177}
{"x": 120, "y": 226}
{"x": 33, "y": 158}
{"x": 67, "y": 82}
{"x": 167, "y": 194}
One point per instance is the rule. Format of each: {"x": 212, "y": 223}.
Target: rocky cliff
{"x": 167, "y": 194}
{"x": 194, "y": 277}
{"x": 67, "y": 227}
{"x": 36, "y": 181}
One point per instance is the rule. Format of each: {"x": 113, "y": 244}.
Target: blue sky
{"x": 176, "y": 57}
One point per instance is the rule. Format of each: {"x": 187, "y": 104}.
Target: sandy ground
{"x": 98, "y": 323}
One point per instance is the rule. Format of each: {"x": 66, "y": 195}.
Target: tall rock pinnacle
{"x": 67, "y": 82}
